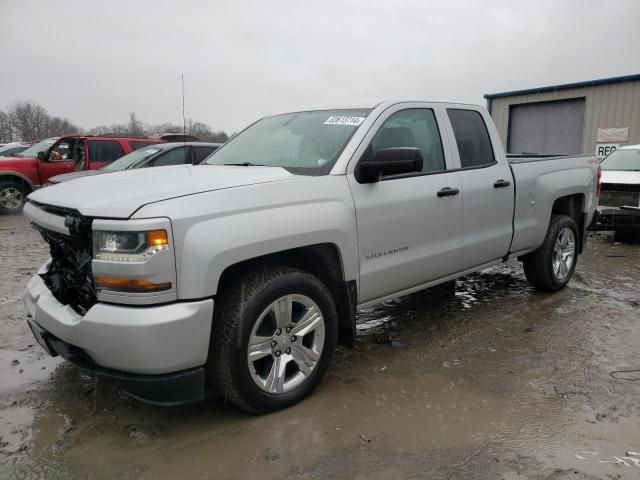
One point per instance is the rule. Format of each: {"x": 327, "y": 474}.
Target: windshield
{"x": 130, "y": 160}
{"x": 308, "y": 143}
{"x": 33, "y": 150}
{"x": 622, "y": 160}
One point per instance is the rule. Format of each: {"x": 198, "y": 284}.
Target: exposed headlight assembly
{"x": 128, "y": 246}
{"x": 133, "y": 261}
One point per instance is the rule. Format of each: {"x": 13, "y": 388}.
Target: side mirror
{"x": 41, "y": 157}
{"x": 389, "y": 161}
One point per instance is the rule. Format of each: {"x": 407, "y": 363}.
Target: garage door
{"x": 553, "y": 128}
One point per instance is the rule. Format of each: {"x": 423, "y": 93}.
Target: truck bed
{"x": 539, "y": 181}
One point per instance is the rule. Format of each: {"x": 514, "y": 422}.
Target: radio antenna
{"x": 184, "y": 120}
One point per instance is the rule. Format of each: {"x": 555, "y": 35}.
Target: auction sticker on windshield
{"x": 340, "y": 120}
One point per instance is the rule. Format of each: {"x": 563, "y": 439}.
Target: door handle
{"x": 501, "y": 184}
{"x": 448, "y": 192}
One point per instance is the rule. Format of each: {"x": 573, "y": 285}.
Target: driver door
{"x": 59, "y": 159}
{"x": 408, "y": 229}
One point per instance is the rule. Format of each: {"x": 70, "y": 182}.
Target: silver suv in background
{"x": 239, "y": 276}
{"x": 157, "y": 155}
{"x": 13, "y": 148}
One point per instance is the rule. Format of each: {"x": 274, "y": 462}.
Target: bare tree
{"x": 115, "y": 129}
{"x": 204, "y": 132}
{"x": 135, "y": 127}
{"x": 61, "y": 126}
{"x": 29, "y": 120}
{"x": 6, "y": 129}
{"x": 160, "y": 128}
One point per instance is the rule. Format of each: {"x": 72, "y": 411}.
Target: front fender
{"x": 215, "y": 230}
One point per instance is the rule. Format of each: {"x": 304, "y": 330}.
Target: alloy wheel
{"x": 564, "y": 253}
{"x": 286, "y": 344}
{"x": 11, "y": 198}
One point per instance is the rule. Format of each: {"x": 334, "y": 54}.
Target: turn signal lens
{"x": 157, "y": 238}
{"x": 133, "y": 285}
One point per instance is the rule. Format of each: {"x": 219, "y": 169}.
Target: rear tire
{"x": 256, "y": 361}
{"x": 12, "y": 197}
{"x": 551, "y": 266}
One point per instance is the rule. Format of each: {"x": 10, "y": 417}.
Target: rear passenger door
{"x": 103, "y": 152}
{"x": 487, "y": 189}
{"x": 408, "y": 233}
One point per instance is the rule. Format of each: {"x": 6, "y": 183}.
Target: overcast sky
{"x": 94, "y": 62}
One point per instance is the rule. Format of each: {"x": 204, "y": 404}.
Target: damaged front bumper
{"x": 154, "y": 353}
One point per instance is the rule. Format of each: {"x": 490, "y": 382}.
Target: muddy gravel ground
{"x": 492, "y": 380}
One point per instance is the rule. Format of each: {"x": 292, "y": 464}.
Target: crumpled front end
{"x": 154, "y": 352}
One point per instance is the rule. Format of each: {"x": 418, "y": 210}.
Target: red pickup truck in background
{"x": 31, "y": 169}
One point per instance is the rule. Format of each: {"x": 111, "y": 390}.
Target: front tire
{"x": 551, "y": 266}
{"x": 12, "y": 197}
{"x": 273, "y": 336}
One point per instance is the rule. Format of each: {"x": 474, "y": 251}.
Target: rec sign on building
{"x": 604, "y": 149}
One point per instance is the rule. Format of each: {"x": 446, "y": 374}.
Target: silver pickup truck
{"x": 239, "y": 276}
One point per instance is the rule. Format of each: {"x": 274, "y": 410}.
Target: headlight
{"x": 133, "y": 261}
{"x": 128, "y": 246}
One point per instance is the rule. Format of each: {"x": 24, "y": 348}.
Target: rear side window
{"x": 472, "y": 138}
{"x": 177, "y": 156}
{"x": 104, "y": 150}
{"x": 200, "y": 153}
{"x": 136, "y": 144}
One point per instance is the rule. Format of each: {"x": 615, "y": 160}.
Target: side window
{"x": 104, "y": 150}
{"x": 415, "y": 127}
{"x": 177, "y": 156}
{"x": 63, "y": 151}
{"x": 472, "y": 138}
{"x": 200, "y": 153}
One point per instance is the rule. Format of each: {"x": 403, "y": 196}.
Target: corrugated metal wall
{"x": 612, "y": 105}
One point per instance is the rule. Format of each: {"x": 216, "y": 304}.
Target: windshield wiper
{"x": 243, "y": 164}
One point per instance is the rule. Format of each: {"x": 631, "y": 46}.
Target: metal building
{"x": 589, "y": 117}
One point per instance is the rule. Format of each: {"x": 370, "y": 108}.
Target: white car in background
{"x": 619, "y": 207}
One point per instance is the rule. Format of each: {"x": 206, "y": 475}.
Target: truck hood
{"x": 621, "y": 177}
{"x": 120, "y": 194}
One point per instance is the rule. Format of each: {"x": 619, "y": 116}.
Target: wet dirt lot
{"x": 491, "y": 380}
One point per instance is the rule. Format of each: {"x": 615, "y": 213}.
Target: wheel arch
{"x": 573, "y": 206}
{"x": 322, "y": 260}
{"x": 18, "y": 178}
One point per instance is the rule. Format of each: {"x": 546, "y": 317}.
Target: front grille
{"x": 70, "y": 278}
